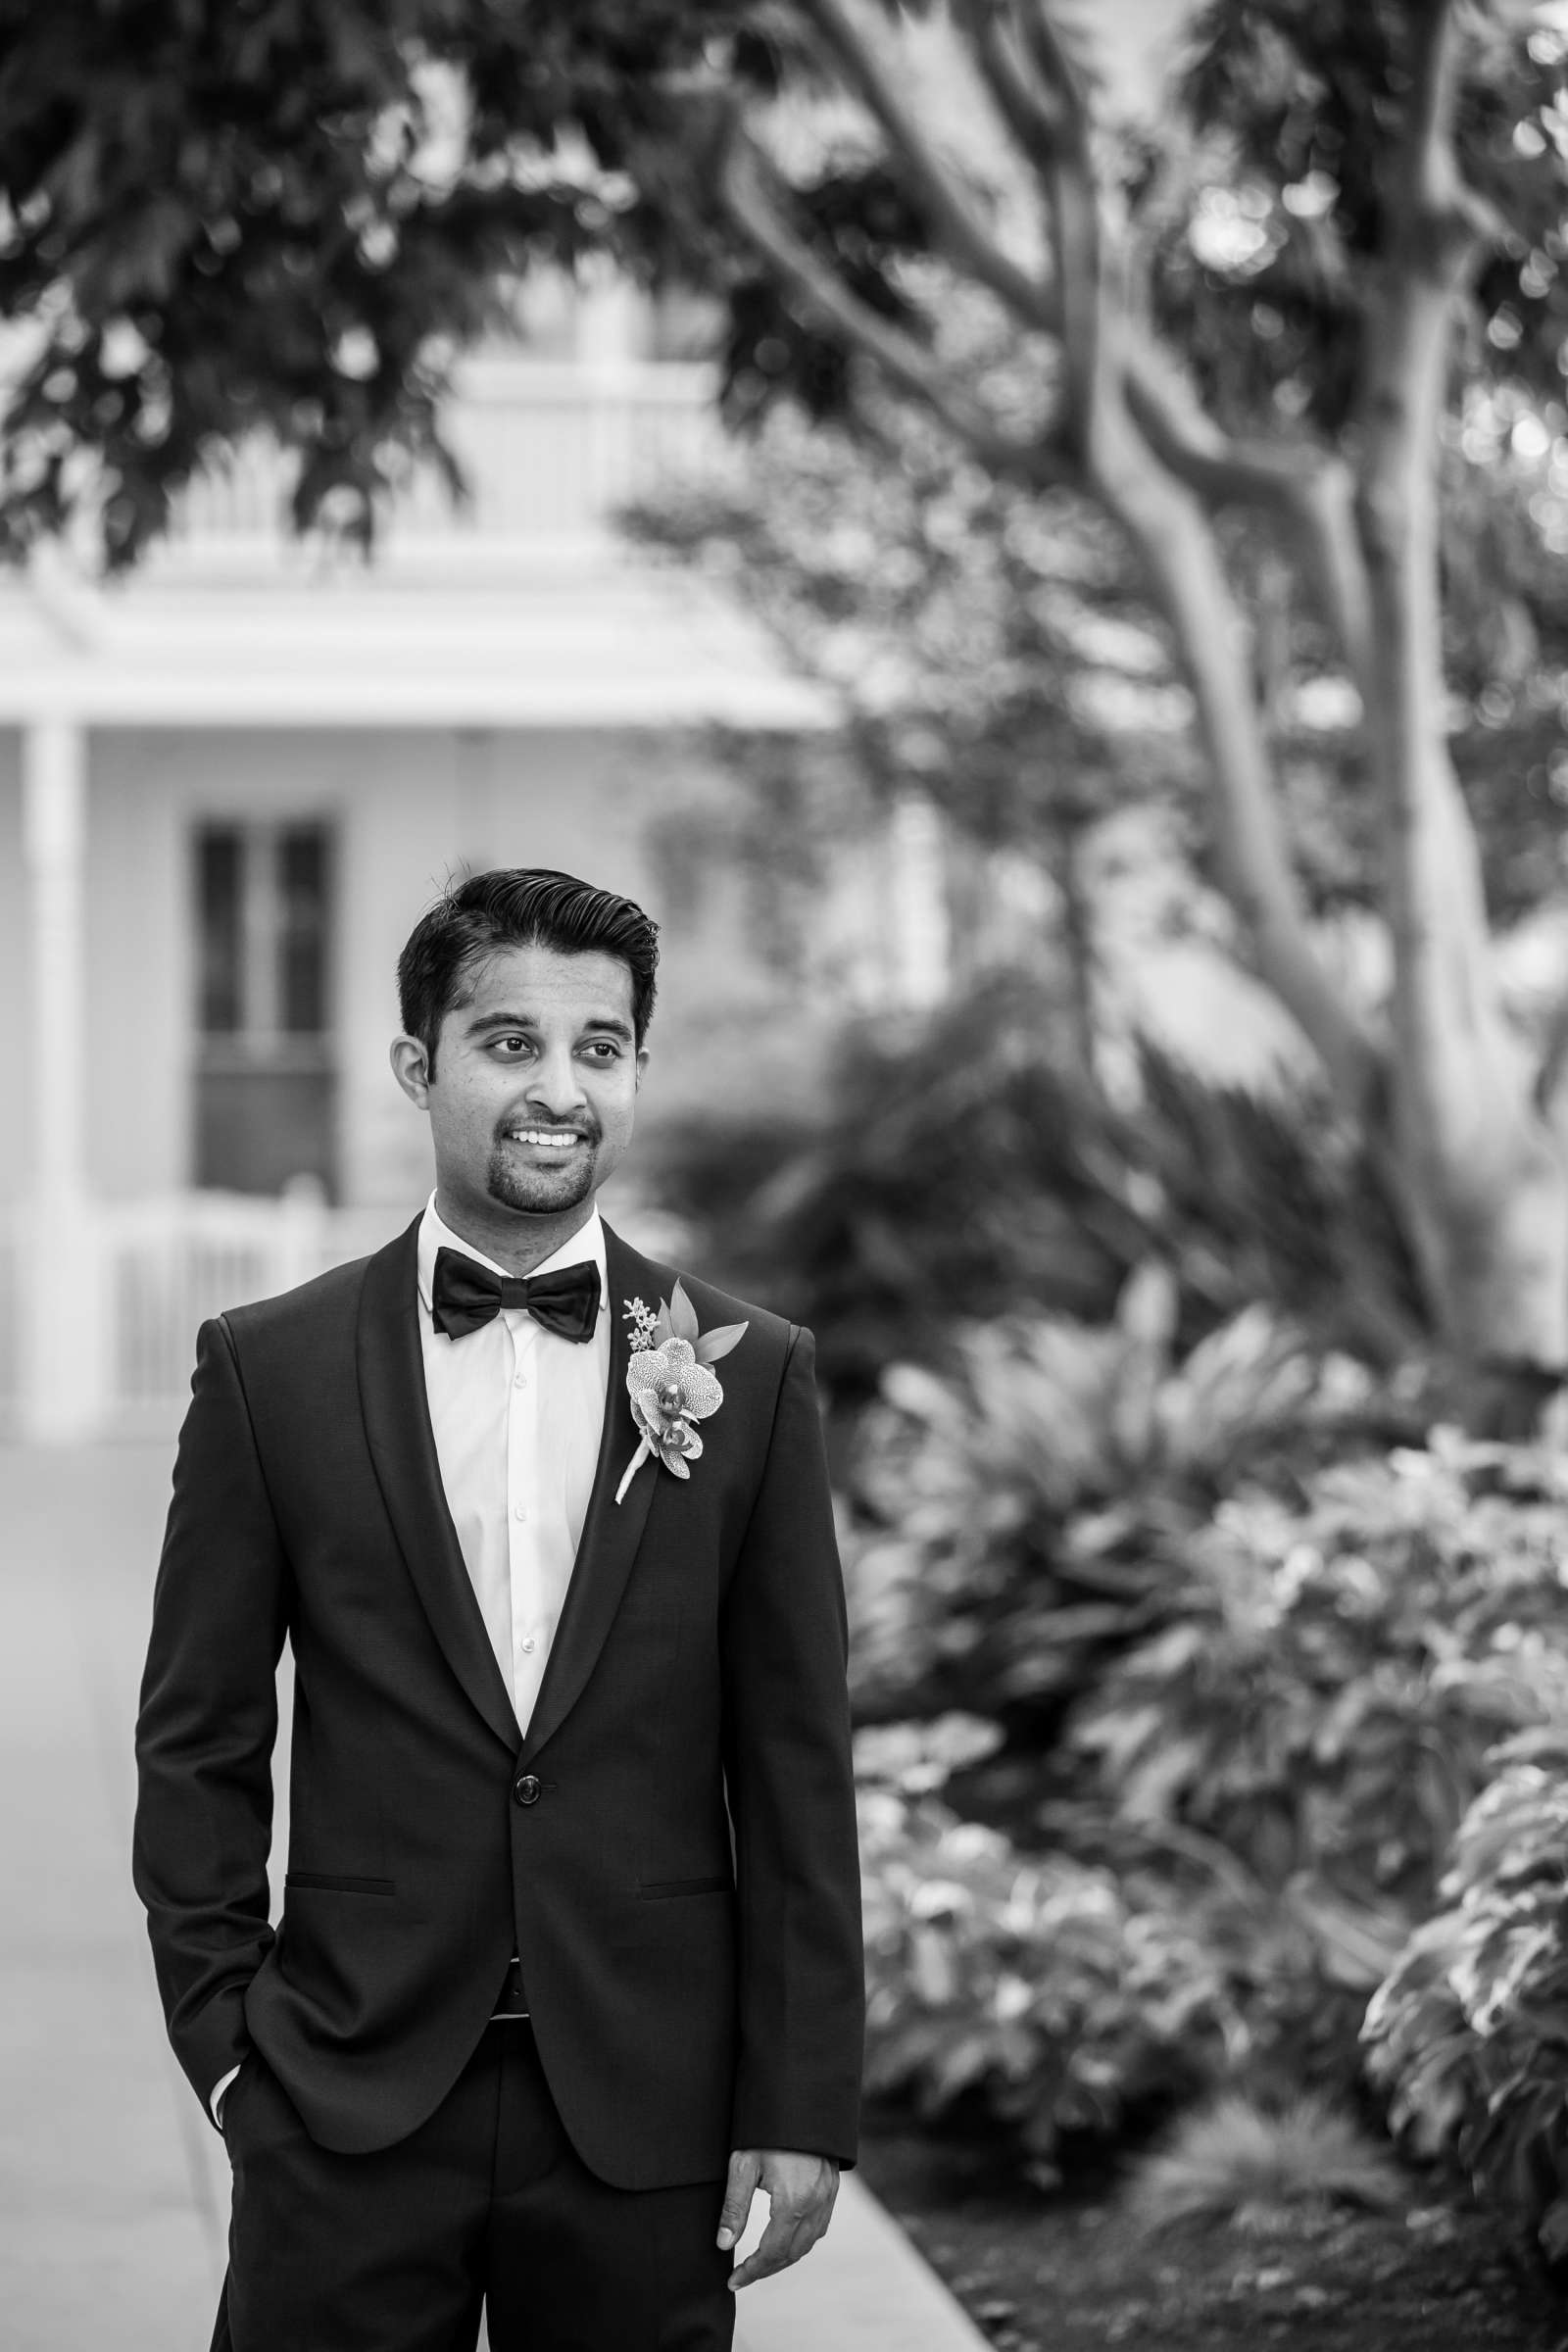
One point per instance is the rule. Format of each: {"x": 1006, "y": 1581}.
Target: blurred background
{"x": 236, "y": 764}
{"x": 1031, "y": 537}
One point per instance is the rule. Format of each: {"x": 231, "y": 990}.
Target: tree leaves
{"x": 253, "y": 192}
{"x": 1303, "y": 107}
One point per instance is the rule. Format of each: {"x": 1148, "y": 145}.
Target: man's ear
{"x": 642, "y": 1063}
{"x": 411, "y": 1068}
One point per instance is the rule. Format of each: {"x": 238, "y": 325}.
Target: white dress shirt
{"x": 518, "y": 1415}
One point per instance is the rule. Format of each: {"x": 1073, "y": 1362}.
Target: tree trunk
{"x": 1485, "y": 1183}
{"x": 1447, "y": 1099}
{"x": 1484, "y": 1180}
{"x": 1174, "y": 537}
{"x": 1449, "y": 1112}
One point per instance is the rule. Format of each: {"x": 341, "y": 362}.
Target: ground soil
{"x": 1074, "y": 2273}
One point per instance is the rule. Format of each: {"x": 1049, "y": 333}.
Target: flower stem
{"x": 633, "y": 1466}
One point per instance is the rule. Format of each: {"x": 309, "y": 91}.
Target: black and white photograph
{"x": 784, "y": 1199}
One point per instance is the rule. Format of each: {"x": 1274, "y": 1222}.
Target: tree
{"x": 219, "y": 221}
{"x": 1369, "y": 188}
{"x": 992, "y": 657}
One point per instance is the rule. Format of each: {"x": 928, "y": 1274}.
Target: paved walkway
{"x": 113, "y": 2191}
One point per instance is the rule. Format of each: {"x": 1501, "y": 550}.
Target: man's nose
{"x": 554, "y": 1085}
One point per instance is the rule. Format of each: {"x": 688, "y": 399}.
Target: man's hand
{"x": 799, "y": 2190}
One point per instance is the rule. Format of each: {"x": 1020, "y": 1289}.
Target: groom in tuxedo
{"x": 569, "y": 1962}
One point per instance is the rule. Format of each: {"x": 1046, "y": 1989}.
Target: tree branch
{"x": 1058, "y": 73}
{"x": 1068, "y": 173}
{"x": 1036, "y": 125}
{"x": 1428, "y": 248}
{"x": 1325, "y": 509}
{"x": 1035, "y": 463}
{"x": 1431, "y": 242}
{"x": 962, "y": 234}
{"x": 1310, "y": 487}
{"x": 1222, "y": 469}
{"x": 1443, "y": 200}
{"x": 1175, "y": 536}
{"x": 1551, "y": 1075}
{"x": 1156, "y": 459}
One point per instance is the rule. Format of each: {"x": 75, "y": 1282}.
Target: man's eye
{"x": 603, "y": 1050}
{"x": 511, "y": 1046}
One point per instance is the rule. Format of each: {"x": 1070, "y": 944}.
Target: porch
{"x": 514, "y": 616}
{"x": 145, "y": 1275}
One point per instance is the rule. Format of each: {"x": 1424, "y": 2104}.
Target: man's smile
{"x": 547, "y": 1139}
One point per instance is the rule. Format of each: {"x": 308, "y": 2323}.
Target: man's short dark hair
{"x": 519, "y": 906}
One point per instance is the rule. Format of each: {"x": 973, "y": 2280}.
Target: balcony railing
{"x": 161, "y": 1266}
{"x": 550, "y": 451}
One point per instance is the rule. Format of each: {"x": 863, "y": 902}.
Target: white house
{"x": 228, "y": 786}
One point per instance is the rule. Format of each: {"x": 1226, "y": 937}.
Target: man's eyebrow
{"x": 502, "y": 1020}
{"x": 606, "y": 1023}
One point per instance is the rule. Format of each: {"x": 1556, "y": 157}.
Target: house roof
{"x": 439, "y": 636}
{"x": 519, "y": 605}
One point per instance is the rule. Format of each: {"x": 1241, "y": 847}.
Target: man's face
{"x": 535, "y": 1084}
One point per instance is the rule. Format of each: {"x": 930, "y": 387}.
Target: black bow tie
{"x": 465, "y": 1295}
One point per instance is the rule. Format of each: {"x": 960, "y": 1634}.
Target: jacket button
{"x": 525, "y": 1788}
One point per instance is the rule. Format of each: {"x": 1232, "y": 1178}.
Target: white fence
{"x": 160, "y": 1267}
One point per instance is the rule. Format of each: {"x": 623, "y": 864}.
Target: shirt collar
{"x": 585, "y": 1245}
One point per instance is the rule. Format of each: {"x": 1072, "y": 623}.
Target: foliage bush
{"x": 1243, "y": 1666}
{"x": 1014, "y": 1518}
{"x": 1048, "y": 1995}
{"x": 1246, "y": 1815}
{"x": 1469, "y": 2034}
{"x": 1325, "y": 1702}
{"x": 968, "y": 1172}
{"x": 1263, "y": 2167}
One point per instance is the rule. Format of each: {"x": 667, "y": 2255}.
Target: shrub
{"x": 1325, "y": 1702}
{"x": 1013, "y": 1519}
{"x": 1268, "y": 1784}
{"x": 965, "y": 1170}
{"x": 1046, "y": 1994}
{"x": 1469, "y": 2034}
{"x": 1235, "y": 2160}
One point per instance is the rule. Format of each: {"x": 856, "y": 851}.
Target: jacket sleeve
{"x": 208, "y": 1724}
{"x": 791, "y": 1787}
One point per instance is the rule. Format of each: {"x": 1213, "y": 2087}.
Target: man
{"x": 569, "y": 1956}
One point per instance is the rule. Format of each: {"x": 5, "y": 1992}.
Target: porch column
{"x": 66, "y": 1327}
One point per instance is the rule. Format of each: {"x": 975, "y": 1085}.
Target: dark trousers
{"x": 486, "y": 2204}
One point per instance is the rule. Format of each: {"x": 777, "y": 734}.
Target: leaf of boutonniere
{"x": 720, "y": 1341}
{"x": 682, "y": 1316}
{"x": 663, "y": 1328}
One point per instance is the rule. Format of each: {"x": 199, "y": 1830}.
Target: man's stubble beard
{"x": 536, "y": 1192}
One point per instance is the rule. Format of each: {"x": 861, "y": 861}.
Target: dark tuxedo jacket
{"x": 671, "y": 1848}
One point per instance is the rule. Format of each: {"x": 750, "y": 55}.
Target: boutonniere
{"x": 669, "y": 1383}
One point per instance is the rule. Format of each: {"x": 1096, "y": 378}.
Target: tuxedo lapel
{"x": 397, "y": 1424}
{"x": 612, "y": 1530}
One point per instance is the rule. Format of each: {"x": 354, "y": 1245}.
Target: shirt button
{"x": 520, "y": 1380}
{"x": 527, "y": 1644}
{"x": 519, "y": 1510}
